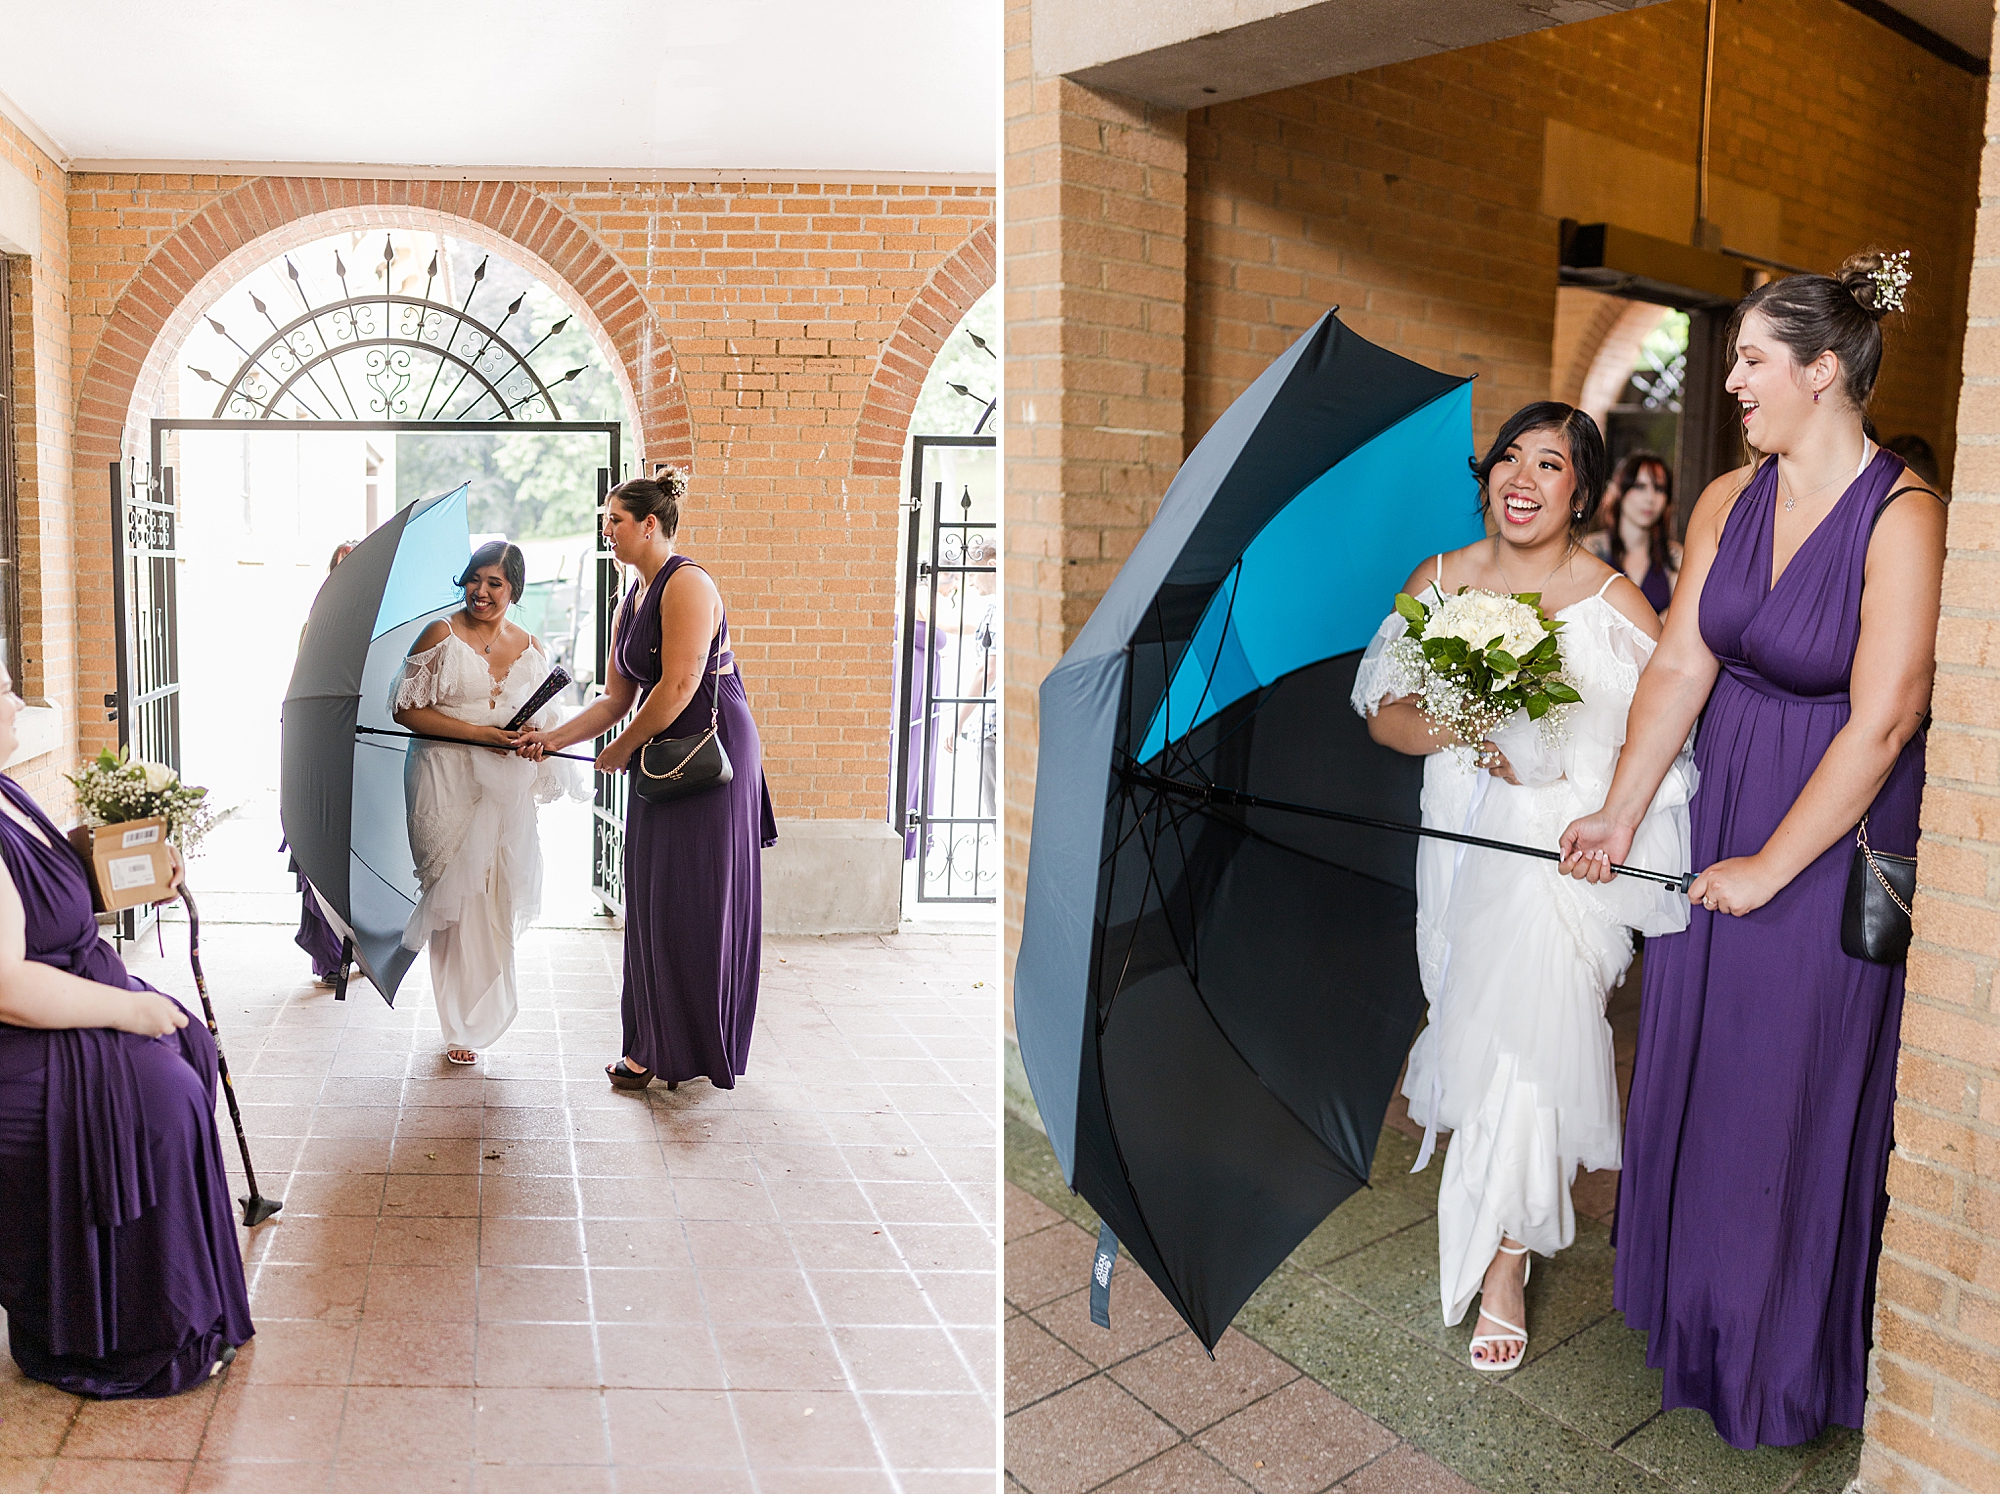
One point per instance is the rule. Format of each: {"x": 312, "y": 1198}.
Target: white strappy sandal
{"x": 1513, "y": 1334}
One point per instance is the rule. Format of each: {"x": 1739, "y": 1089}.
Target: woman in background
{"x": 1635, "y": 530}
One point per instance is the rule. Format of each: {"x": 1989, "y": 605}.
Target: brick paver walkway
{"x": 515, "y": 1278}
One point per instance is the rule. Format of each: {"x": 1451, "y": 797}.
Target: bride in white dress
{"x": 1517, "y": 960}
{"x": 472, "y": 808}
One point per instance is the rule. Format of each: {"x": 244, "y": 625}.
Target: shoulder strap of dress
{"x": 1883, "y": 507}
{"x": 1607, "y": 583}
{"x": 1437, "y": 577}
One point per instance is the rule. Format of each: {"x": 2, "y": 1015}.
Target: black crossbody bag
{"x": 1875, "y": 919}
{"x": 670, "y": 768}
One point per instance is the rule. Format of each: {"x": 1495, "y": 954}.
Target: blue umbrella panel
{"x": 1214, "y": 997}
{"x": 341, "y": 793}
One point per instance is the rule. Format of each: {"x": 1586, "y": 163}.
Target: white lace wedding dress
{"x": 1517, "y": 960}
{"x": 472, "y": 834}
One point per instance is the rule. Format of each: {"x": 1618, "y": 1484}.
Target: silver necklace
{"x": 491, "y": 641}
{"x": 1569, "y": 551}
{"x": 1792, "y": 502}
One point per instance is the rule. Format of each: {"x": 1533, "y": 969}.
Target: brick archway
{"x": 907, "y": 356}
{"x": 268, "y": 215}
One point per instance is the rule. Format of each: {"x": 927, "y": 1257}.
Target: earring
{"x": 1815, "y": 396}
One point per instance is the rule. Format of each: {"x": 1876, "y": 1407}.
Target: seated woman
{"x": 119, "y": 1264}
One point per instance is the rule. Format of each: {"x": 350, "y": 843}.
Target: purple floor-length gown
{"x": 1757, "y": 1138}
{"x": 119, "y": 1266}
{"x": 694, "y": 892}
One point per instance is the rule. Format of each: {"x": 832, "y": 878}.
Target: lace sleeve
{"x": 421, "y": 682}
{"x": 1382, "y": 676}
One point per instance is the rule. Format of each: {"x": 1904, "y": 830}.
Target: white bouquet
{"x": 1477, "y": 657}
{"x": 114, "y": 787}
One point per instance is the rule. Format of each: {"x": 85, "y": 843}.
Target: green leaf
{"x": 1500, "y": 661}
{"x": 1537, "y": 704}
{"x": 1558, "y": 691}
{"x": 1409, "y": 608}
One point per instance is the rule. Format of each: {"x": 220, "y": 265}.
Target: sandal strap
{"x": 1509, "y": 1336}
{"x": 1523, "y": 1250}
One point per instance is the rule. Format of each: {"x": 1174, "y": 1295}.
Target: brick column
{"x": 1933, "y": 1423}
{"x": 1096, "y": 296}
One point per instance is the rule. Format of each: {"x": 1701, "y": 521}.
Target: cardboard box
{"x": 129, "y": 865}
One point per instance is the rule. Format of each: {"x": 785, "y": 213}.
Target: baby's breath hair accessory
{"x": 1892, "y": 278}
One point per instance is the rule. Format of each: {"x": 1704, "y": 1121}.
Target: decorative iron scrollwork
{"x": 387, "y": 356}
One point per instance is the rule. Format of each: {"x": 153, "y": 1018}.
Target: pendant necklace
{"x": 1792, "y": 502}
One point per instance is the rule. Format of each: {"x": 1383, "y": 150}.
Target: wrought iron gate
{"x": 946, "y": 795}
{"x": 371, "y": 362}
{"x": 608, "y": 795}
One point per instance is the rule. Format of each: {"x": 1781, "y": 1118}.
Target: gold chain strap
{"x": 1861, "y": 838}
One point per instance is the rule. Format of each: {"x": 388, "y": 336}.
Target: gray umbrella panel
{"x": 341, "y": 795}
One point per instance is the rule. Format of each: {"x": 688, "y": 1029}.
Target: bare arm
{"x": 1672, "y": 690}
{"x": 40, "y": 996}
{"x": 1889, "y": 693}
{"x": 690, "y": 613}
{"x": 594, "y": 719}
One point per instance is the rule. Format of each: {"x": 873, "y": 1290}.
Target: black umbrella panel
{"x": 1214, "y": 996}
{"x": 341, "y": 795}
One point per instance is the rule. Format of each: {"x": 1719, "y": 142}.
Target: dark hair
{"x": 1658, "y": 555}
{"x": 1588, "y": 463}
{"x": 656, "y": 497}
{"x": 1916, "y": 454}
{"x": 507, "y": 557}
{"x": 1838, "y": 313}
{"x": 340, "y": 552}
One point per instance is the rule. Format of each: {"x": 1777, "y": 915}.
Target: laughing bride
{"x": 472, "y": 807}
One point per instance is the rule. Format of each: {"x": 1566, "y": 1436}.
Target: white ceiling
{"x": 641, "y": 85}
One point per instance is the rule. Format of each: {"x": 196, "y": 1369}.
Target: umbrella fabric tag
{"x": 1100, "y": 1276}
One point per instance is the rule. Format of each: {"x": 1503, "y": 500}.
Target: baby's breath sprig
{"x": 1892, "y": 278}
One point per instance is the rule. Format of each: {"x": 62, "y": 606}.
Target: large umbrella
{"x": 1215, "y": 991}
{"x": 341, "y": 792}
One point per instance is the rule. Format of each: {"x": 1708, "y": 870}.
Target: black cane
{"x": 256, "y": 1208}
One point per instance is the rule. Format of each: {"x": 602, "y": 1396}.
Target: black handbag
{"x": 670, "y": 768}
{"x": 1875, "y": 921}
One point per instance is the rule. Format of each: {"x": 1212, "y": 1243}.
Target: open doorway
{"x": 262, "y": 507}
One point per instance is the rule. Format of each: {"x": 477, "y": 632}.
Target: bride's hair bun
{"x": 1875, "y": 280}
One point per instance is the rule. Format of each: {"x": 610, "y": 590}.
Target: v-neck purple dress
{"x": 694, "y": 887}
{"x": 119, "y": 1265}
{"x": 1757, "y": 1138}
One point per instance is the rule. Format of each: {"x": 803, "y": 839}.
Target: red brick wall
{"x": 1410, "y": 196}
{"x": 751, "y": 323}
{"x": 41, "y": 402}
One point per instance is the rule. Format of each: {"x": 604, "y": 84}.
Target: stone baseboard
{"x": 834, "y": 877}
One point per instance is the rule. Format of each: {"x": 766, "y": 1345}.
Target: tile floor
{"x": 515, "y": 1278}
{"x": 1338, "y": 1374}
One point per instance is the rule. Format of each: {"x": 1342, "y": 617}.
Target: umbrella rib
{"x": 1276, "y": 844}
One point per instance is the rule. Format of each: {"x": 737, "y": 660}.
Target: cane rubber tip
{"x": 257, "y": 1208}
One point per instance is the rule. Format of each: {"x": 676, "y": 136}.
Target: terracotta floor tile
{"x": 348, "y": 1122}
{"x": 35, "y": 1417}
{"x": 638, "y": 1242}
{"x": 258, "y": 1478}
{"x": 272, "y": 1423}
{"x": 401, "y": 1478}
{"x": 534, "y": 1294}
{"x": 963, "y": 1298}
{"x": 1039, "y": 1364}
{"x": 23, "y": 1475}
{"x": 541, "y": 1426}
{"x": 671, "y": 1356}
{"x": 944, "y": 1247}
{"x": 408, "y": 1197}
{"x": 840, "y": 1246}
{"x": 1185, "y": 1469}
{"x": 801, "y": 1199}
{"x": 335, "y": 1154}
{"x": 931, "y": 1430}
{"x": 1082, "y": 1437}
{"x": 1405, "y": 1470}
{"x": 537, "y": 1354}
{"x": 779, "y": 1433}
{"x": 525, "y": 1158}
{"x": 619, "y": 1159}
{"x": 436, "y": 1155}
{"x": 1181, "y": 1383}
{"x": 890, "y": 1298}
{"x": 905, "y": 1359}
{"x": 1048, "y": 1264}
{"x": 572, "y": 1478}
{"x": 757, "y": 1295}
{"x": 722, "y": 1198}
{"x": 1305, "y": 1436}
{"x": 313, "y": 1241}
{"x": 434, "y": 1293}
{"x": 778, "y": 1357}
{"x": 302, "y": 1290}
{"x": 297, "y": 1352}
{"x": 833, "y": 1481}
{"x": 1140, "y": 1318}
{"x": 1027, "y": 1213}
{"x": 427, "y": 1241}
{"x": 170, "y": 1428}
{"x": 627, "y": 1198}
{"x": 393, "y": 1351}
{"x": 525, "y": 1198}
{"x": 530, "y": 1242}
{"x": 393, "y": 1424}
{"x": 328, "y": 1193}
{"x": 698, "y": 1159}
{"x": 434, "y": 1122}
{"x": 117, "y": 1476}
{"x": 684, "y": 1428}
{"x": 648, "y": 1294}
{"x": 722, "y": 1244}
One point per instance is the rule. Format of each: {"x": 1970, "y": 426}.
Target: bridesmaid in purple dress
{"x": 1635, "y": 533}
{"x": 694, "y": 901}
{"x": 119, "y": 1265}
{"x": 1757, "y": 1138}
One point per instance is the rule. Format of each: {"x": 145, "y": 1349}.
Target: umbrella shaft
{"x": 1216, "y": 794}
{"x": 420, "y": 736}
